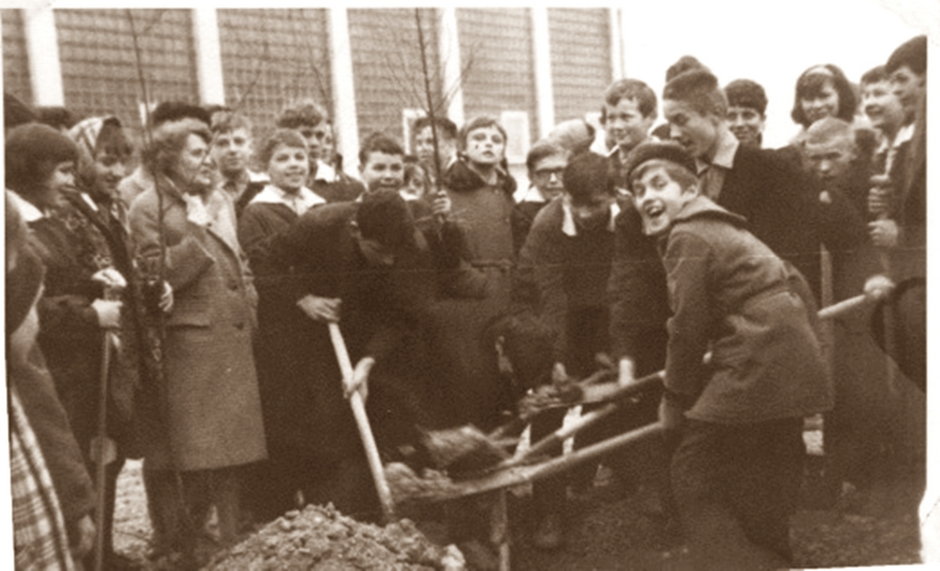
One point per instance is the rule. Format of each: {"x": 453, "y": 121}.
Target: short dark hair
{"x": 305, "y": 113}
{"x": 479, "y": 122}
{"x": 698, "y": 87}
{"x": 32, "y": 151}
{"x": 444, "y": 126}
{"x": 379, "y": 143}
{"x": 912, "y": 53}
{"x": 541, "y": 150}
{"x": 288, "y": 137}
{"x": 384, "y": 216}
{"x": 680, "y": 174}
{"x": 876, "y": 74}
{"x": 167, "y": 111}
{"x": 810, "y": 84}
{"x": 746, "y": 93}
{"x": 224, "y": 121}
{"x": 587, "y": 175}
{"x": 528, "y": 345}
{"x": 630, "y": 89}
{"x": 56, "y": 116}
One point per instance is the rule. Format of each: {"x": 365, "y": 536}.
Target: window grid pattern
{"x": 580, "y": 70}
{"x": 387, "y": 67}
{"x": 15, "y": 59}
{"x": 100, "y": 72}
{"x": 271, "y": 58}
{"x": 501, "y": 75}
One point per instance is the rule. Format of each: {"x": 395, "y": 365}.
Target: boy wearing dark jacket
{"x": 737, "y": 469}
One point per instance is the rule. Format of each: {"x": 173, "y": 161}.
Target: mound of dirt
{"x": 321, "y": 538}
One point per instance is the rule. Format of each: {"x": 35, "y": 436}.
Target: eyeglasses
{"x": 546, "y": 174}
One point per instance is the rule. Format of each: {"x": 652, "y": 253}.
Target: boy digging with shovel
{"x": 738, "y": 421}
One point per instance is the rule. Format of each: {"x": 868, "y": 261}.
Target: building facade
{"x": 530, "y": 67}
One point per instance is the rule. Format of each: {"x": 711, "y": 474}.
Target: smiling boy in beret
{"x": 738, "y": 420}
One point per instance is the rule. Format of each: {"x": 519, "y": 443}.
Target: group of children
{"x": 696, "y": 252}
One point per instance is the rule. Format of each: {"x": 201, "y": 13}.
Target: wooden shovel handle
{"x": 362, "y": 423}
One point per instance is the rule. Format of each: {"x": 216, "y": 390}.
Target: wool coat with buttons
{"x": 213, "y": 408}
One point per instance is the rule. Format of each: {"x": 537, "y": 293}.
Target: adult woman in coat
{"x": 209, "y": 408}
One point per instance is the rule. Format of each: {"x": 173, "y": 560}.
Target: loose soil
{"x": 607, "y": 528}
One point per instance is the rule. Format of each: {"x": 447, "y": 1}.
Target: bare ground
{"x": 608, "y": 529}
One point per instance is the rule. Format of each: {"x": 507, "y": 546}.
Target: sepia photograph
{"x": 494, "y": 286}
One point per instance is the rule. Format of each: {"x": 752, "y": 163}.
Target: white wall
{"x": 769, "y": 42}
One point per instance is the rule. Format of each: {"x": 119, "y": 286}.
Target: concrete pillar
{"x": 451, "y": 63}
{"x": 624, "y": 56}
{"x": 616, "y": 44}
{"x": 542, "y": 58}
{"x": 42, "y": 52}
{"x": 345, "y": 121}
{"x": 208, "y": 56}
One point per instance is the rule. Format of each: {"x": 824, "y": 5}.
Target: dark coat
{"x": 730, "y": 293}
{"x": 283, "y": 355}
{"x": 781, "y": 205}
{"x": 570, "y": 272}
{"x": 213, "y": 406}
{"x": 484, "y": 212}
{"x": 132, "y": 365}
{"x": 522, "y": 217}
{"x": 251, "y": 190}
{"x": 72, "y": 249}
{"x": 384, "y": 314}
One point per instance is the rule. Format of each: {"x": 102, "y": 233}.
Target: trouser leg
{"x": 225, "y": 489}
{"x": 549, "y": 495}
{"x": 735, "y": 489}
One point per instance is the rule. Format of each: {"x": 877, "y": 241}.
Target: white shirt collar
{"x": 325, "y": 172}
{"x": 568, "y": 226}
{"x": 530, "y": 194}
{"x": 28, "y": 210}
{"x": 304, "y": 201}
{"x": 257, "y": 176}
{"x": 724, "y": 156}
{"x": 905, "y": 134}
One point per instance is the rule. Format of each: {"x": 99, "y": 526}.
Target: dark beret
{"x": 385, "y": 216}
{"x": 666, "y": 151}
{"x": 912, "y": 53}
{"x": 587, "y": 174}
